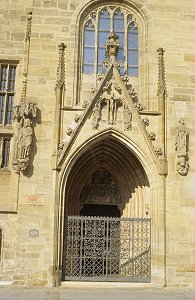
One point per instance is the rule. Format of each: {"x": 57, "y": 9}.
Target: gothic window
{"x": 97, "y": 28}
{"x": 4, "y": 152}
{"x": 7, "y": 89}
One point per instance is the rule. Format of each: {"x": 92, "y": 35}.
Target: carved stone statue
{"x": 95, "y": 118}
{"x": 181, "y": 139}
{"x": 127, "y": 117}
{"x": 25, "y": 139}
{"x": 22, "y": 138}
{"x": 112, "y": 47}
{"x": 181, "y": 148}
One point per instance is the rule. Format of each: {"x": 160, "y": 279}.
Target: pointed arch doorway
{"x": 107, "y": 224}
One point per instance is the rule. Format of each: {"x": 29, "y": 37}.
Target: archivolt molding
{"x": 147, "y": 163}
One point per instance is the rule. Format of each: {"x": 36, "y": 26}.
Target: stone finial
{"x": 22, "y": 139}
{"x": 60, "y": 82}
{"x": 161, "y": 93}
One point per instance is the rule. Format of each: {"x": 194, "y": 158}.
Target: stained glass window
{"x": 97, "y": 29}
{"x": 132, "y": 54}
{"x": 89, "y": 48}
{"x": 7, "y": 89}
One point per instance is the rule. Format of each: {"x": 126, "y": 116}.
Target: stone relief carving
{"x": 181, "y": 146}
{"x": 22, "y": 139}
{"x": 101, "y": 188}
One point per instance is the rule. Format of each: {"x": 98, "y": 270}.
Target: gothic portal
{"x": 97, "y": 142}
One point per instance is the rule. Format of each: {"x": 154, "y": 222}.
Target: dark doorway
{"x": 97, "y": 210}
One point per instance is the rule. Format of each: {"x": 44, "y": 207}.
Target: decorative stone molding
{"x": 181, "y": 146}
{"x": 60, "y": 82}
{"x": 22, "y": 139}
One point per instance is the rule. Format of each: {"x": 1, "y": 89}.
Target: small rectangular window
{"x": 5, "y": 151}
{"x": 7, "y": 91}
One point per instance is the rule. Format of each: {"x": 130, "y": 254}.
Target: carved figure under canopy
{"x": 23, "y": 131}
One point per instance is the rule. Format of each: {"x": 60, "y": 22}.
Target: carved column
{"x": 59, "y": 91}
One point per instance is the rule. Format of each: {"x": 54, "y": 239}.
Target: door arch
{"x": 150, "y": 186}
{"x": 114, "y": 158}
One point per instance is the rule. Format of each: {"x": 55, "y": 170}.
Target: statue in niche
{"x": 181, "y": 139}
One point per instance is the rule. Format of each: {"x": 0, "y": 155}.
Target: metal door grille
{"x": 107, "y": 249}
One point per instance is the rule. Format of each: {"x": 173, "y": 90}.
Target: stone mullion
{"x": 125, "y": 43}
{"x": 96, "y": 48}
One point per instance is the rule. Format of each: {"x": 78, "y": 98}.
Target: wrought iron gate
{"x": 107, "y": 249}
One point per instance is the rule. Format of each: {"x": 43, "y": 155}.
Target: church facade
{"x": 97, "y": 142}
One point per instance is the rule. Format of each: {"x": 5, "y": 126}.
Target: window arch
{"x": 98, "y": 26}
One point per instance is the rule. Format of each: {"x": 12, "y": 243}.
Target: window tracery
{"x": 97, "y": 28}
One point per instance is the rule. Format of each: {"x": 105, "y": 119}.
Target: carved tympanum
{"x": 101, "y": 188}
{"x": 22, "y": 139}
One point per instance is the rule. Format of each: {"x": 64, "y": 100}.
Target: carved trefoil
{"x": 181, "y": 146}
{"x": 23, "y": 132}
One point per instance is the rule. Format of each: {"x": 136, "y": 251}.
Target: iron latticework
{"x": 110, "y": 249}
